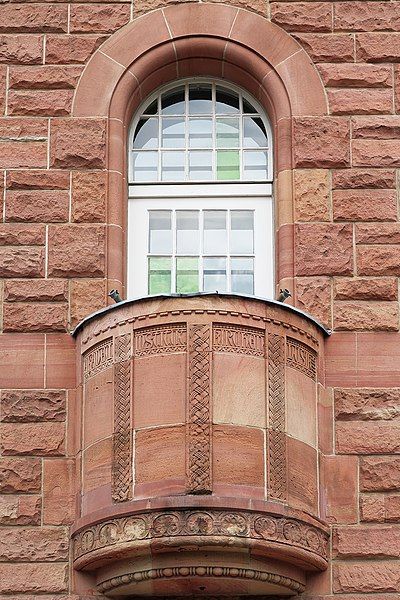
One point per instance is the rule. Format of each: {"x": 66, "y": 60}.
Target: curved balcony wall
{"x": 199, "y": 449}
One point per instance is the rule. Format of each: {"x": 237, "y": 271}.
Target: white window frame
{"x": 235, "y": 195}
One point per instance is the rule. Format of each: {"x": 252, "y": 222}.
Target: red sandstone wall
{"x": 52, "y": 261}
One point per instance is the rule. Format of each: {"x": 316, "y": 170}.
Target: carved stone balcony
{"x": 199, "y": 448}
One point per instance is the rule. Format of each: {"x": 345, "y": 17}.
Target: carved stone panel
{"x": 242, "y": 340}
{"x": 160, "y": 340}
{"x": 301, "y": 357}
{"x": 97, "y": 359}
{"x": 199, "y": 468}
{"x": 122, "y": 443}
{"x": 277, "y": 472}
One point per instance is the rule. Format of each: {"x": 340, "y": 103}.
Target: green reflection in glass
{"x": 159, "y": 275}
{"x": 187, "y": 275}
{"x": 228, "y": 164}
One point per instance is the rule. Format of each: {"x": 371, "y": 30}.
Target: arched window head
{"x": 200, "y": 193}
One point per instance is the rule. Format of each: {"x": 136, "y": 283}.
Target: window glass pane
{"x": 187, "y": 232}
{"x": 146, "y": 134}
{"x": 173, "y": 166}
{"x": 160, "y": 232}
{"x": 215, "y": 234}
{"x": 254, "y": 134}
{"x": 228, "y": 164}
{"x": 200, "y": 133}
{"x": 173, "y": 133}
{"x": 248, "y": 108}
{"x": 227, "y": 101}
{"x": 159, "y": 275}
{"x": 200, "y": 99}
{"x": 214, "y": 275}
{"x": 200, "y": 165}
{"x": 152, "y": 108}
{"x": 242, "y": 227}
{"x": 242, "y": 275}
{"x": 173, "y": 102}
{"x": 187, "y": 275}
{"x": 144, "y": 166}
{"x": 254, "y": 164}
{"x": 227, "y": 133}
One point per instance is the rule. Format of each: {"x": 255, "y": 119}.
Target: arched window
{"x": 200, "y": 193}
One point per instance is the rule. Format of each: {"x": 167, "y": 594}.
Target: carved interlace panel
{"x": 122, "y": 444}
{"x": 235, "y": 524}
{"x": 165, "y": 339}
{"x": 98, "y": 359}
{"x": 241, "y": 340}
{"x": 301, "y": 357}
{"x": 277, "y": 472}
{"x": 199, "y": 474}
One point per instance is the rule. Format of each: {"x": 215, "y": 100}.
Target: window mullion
{"x": 173, "y": 259}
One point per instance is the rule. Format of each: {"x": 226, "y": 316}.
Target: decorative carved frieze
{"x": 200, "y": 571}
{"x": 160, "y": 340}
{"x": 216, "y": 525}
{"x": 122, "y": 444}
{"x": 97, "y": 359}
{"x": 241, "y": 340}
{"x": 199, "y": 469}
{"x": 301, "y": 357}
{"x": 277, "y": 472}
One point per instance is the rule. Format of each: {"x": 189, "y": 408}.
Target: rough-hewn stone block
{"x": 37, "y": 205}
{"x": 40, "y": 439}
{"x": 367, "y": 437}
{"x": 20, "y": 510}
{"x": 360, "y": 102}
{"x": 378, "y": 474}
{"x": 366, "y": 542}
{"x": 365, "y": 316}
{"x": 364, "y": 205}
{"x": 52, "y": 103}
{"x": 386, "y": 233}
{"x": 380, "y": 127}
{"x": 367, "y": 16}
{"x": 302, "y": 16}
{"x": 378, "y": 47}
{"x": 21, "y": 262}
{"x": 367, "y": 404}
{"x": 12, "y": 234}
{"x": 362, "y": 288}
{"x": 92, "y": 18}
{"x": 36, "y": 290}
{"x": 23, "y": 406}
{"x": 88, "y": 197}
{"x": 324, "y": 249}
{"x": 24, "y": 49}
{"x": 46, "y": 317}
{"x": 327, "y": 47}
{"x": 37, "y": 180}
{"x": 44, "y": 77}
{"x": 311, "y": 195}
{"x": 378, "y": 260}
{"x": 366, "y": 577}
{"x": 87, "y": 296}
{"x": 38, "y": 578}
{"x": 363, "y": 178}
{"x": 15, "y": 155}
{"x": 20, "y": 475}
{"x": 71, "y": 49}
{"x": 321, "y": 142}
{"x": 78, "y": 143}
{"x": 313, "y": 294}
{"x": 34, "y": 544}
{"x": 374, "y": 153}
{"x": 356, "y": 75}
{"x": 76, "y": 250}
{"x": 31, "y": 18}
